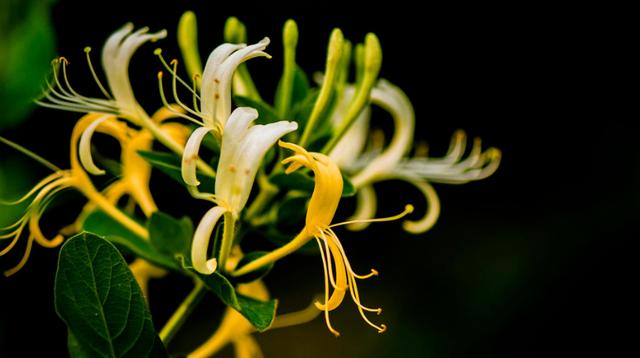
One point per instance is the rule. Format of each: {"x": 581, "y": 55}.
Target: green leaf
{"x": 259, "y": 313}
{"x": 257, "y": 274}
{"x": 100, "y": 302}
{"x": 169, "y": 235}
{"x": 292, "y": 210}
{"x": 293, "y": 181}
{"x": 103, "y": 225}
{"x": 267, "y": 113}
{"x": 305, "y": 183}
{"x": 170, "y": 164}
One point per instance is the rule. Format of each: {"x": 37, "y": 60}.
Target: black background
{"x": 535, "y": 260}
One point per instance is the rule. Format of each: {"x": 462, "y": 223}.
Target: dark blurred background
{"x": 535, "y": 260}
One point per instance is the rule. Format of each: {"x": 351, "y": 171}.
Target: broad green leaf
{"x": 100, "y": 302}
{"x": 103, "y": 225}
{"x": 259, "y": 313}
{"x": 257, "y": 274}
{"x": 169, "y": 235}
{"x": 267, "y": 114}
{"x": 170, "y": 164}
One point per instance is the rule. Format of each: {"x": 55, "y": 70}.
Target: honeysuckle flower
{"x": 338, "y": 274}
{"x": 242, "y": 149}
{"x": 215, "y": 89}
{"x": 116, "y": 55}
{"x": 375, "y": 165}
{"x": 43, "y": 192}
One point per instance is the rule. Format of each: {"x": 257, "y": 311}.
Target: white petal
{"x": 84, "y": 152}
{"x": 433, "y": 207}
{"x": 396, "y": 102}
{"x": 224, "y": 73}
{"x": 200, "y": 244}
{"x": 242, "y": 150}
{"x": 116, "y": 56}
{"x": 210, "y": 82}
{"x": 365, "y": 209}
{"x": 190, "y": 156}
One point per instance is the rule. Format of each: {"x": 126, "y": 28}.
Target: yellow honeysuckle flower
{"x": 322, "y": 207}
{"x": 49, "y": 187}
{"x": 242, "y": 149}
{"x": 377, "y": 164}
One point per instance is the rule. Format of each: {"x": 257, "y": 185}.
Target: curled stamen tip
{"x": 87, "y": 49}
{"x": 63, "y": 59}
{"x": 378, "y": 312}
{"x": 409, "y": 208}
{"x": 459, "y": 133}
{"x": 174, "y": 62}
{"x": 157, "y": 52}
{"x": 383, "y": 328}
{"x": 336, "y": 333}
{"x": 374, "y": 272}
{"x": 160, "y": 74}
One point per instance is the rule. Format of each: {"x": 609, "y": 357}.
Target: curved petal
{"x": 433, "y": 207}
{"x": 84, "y": 151}
{"x": 242, "y": 150}
{"x": 190, "y": 156}
{"x": 200, "y": 245}
{"x": 395, "y": 101}
{"x": 210, "y": 81}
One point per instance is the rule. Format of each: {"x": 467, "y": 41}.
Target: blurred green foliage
{"x": 27, "y": 44}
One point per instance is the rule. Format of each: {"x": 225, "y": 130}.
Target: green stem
{"x": 228, "y": 234}
{"x": 182, "y": 313}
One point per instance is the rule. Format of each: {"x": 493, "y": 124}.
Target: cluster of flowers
{"x": 334, "y": 120}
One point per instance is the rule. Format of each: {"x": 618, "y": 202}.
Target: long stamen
{"x": 175, "y": 90}
{"x": 326, "y": 292}
{"x": 408, "y": 209}
{"x": 38, "y": 186}
{"x": 87, "y": 50}
{"x": 329, "y": 263}
{"x": 170, "y": 107}
{"x": 158, "y": 52}
{"x": 30, "y": 154}
{"x": 24, "y": 259}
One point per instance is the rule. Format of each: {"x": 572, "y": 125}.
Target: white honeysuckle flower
{"x": 215, "y": 100}
{"x": 116, "y": 55}
{"x": 392, "y": 163}
{"x": 215, "y": 90}
{"x": 243, "y": 147}
{"x": 119, "y": 102}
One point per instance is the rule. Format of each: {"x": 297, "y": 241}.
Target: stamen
{"x": 87, "y": 50}
{"x": 175, "y": 90}
{"x": 30, "y": 154}
{"x": 158, "y": 52}
{"x": 37, "y": 187}
{"x": 326, "y": 293}
{"x": 170, "y": 107}
{"x": 23, "y": 261}
{"x": 408, "y": 209}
